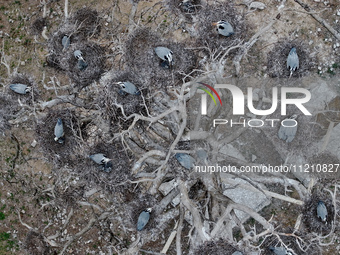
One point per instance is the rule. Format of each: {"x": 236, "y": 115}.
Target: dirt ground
{"x": 33, "y": 201}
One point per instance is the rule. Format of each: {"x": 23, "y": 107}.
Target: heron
{"x": 185, "y": 160}
{"x": 128, "y": 87}
{"x": 202, "y": 155}
{"x": 187, "y": 6}
{"x": 321, "y": 211}
{"x": 288, "y": 132}
{"x": 103, "y": 161}
{"x": 165, "y": 54}
{"x": 292, "y": 61}
{"x": 237, "y": 253}
{"x": 224, "y": 28}
{"x": 81, "y": 62}
{"x": 143, "y": 218}
{"x": 65, "y": 41}
{"x": 59, "y": 132}
{"x": 20, "y": 88}
{"x": 280, "y": 250}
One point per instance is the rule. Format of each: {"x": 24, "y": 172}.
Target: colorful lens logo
{"x": 212, "y": 89}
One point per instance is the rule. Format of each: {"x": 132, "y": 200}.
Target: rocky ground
{"x": 54, "y": 200}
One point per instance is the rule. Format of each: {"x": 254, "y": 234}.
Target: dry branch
{"x": 319, "y": 19}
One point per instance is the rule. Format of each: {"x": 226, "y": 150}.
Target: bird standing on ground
{"x": 321, "y": 211}
{"x": 202, "y": 156}
{"x": 292, "y": 61}
{"x": 185, "y": 160}
{"x": 65, "y": 41}
{"x": 103, "y": 161}
{"x": 128, "y": 87}
{"x": 224, "y": 28}
{"x": 81, "y": 62}
{"x": 288, "y": 132}
{"x": 237, "y": 253}
{"x": 165, "y": 54}
{"x": 143, "y": 218}
{"x": 280, "y": 250}
{"x": 20, "y": 88}
{"x": 59, "y": 132}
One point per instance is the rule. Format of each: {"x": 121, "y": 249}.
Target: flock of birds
{"x": 224, "y": 28}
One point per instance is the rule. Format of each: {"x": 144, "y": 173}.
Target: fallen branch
{"x": 319, "y": 19}
{"x": 170, "y": 239}
{"x": 84, "y": 230}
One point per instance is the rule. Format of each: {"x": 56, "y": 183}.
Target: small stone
{"x": 22, "y": 63}
{"x": 176, "y": 200}
{"x": 257, "y": 5}
{"x": 34, "y": 143}
{"x": 166, "y": 187}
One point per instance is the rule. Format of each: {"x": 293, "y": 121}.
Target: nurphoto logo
{"x": 238, "y": 99}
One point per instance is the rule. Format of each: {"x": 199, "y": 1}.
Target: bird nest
{"x": 56, "y": 49}
{"x": 289, "y": 241}
{"x": 116, "y": 106}
{"x": 187, "y": 10}
{"x": 69, "y": 195}
{"x": 277, "y": 59}
{"x": 87, "y": 22}
{"x": 207, "y": 34}
{"x": 219, "y": 247}
{"x": 60, "y": 154}
{"x": 93, "y": 175}
{"x": 94, "y": 56}
{"x": 35, "y": 243}
{"x": 310, "y": 219}
{"x": 139, "y": 204}
{"x": 82, "y": 25}
{"x": 38, "y": 26}
{"x": 142, "y": 59}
